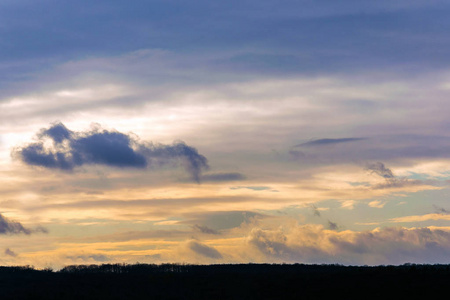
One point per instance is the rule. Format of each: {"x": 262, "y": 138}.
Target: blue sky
{"x": 216, "y": 132}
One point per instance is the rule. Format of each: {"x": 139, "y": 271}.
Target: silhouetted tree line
{"x": 232, "y": 281}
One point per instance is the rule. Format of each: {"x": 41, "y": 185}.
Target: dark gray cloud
{"x": 12, "y": 227}
{"x": 111, "y": 148}
{"x": 332, "y": 225}
{"x": 205, "y": 229}
{"x": 193, "y": 162}
{"x": 9, "y": 252}
{"x": 392, "y": 181}
{"x": 325, "y": 142}
{"x": 441, "y": 210}
{"x": 379, "y": 169}
{"x": 203, "y": 250}
{"x": 58, "y": 133}
{"x": 401, "y": 182}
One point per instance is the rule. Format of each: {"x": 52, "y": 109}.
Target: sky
{"x": 212, "y": 132}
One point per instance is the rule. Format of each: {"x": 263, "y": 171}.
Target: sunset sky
{"x": 224, "y": 132}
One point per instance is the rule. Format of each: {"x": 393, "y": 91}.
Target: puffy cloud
{"x": 58, "y": 133}
{"x": 271, "y": 243}
{"x": 111, "y": 148}
{"x": 314, "y": 244}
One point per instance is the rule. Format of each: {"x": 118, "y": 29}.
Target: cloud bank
{"x": 69, "y": 150}
{"x": 314, "y": 244}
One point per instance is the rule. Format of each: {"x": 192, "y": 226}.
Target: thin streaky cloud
{"x": 326, "y": 142}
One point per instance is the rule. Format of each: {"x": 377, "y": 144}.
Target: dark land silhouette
{"x": 232, "y": 281}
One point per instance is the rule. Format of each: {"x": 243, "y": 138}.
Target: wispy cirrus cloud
{"x": 328, "y": 142}
{"x": 421, "y": 218}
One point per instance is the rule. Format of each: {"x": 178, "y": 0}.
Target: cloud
{"x": 58, "y": 133}
{"x": 316, "y": 211}
{"x": 9, "y": 252}
{"x": 110, "y": 148}
{"x": 205, "y": 229}
{"x": 12, "y": 227}
{"x": 441, "y": 210}
{"x": 325, "y": 142}
{"x": 223, "y": 220}
{"x": 421, "y": 218}
{"x": 377, "y": 204}
{"x": 222, "y": 177}
{"x": 133, "y": 235}
{"x": 271, "y": 243}
{"x": 253, "y": 188}
{"x": 332, "y": 225}
{"x": 348, "y": 204}
{"x": 94, "y": 257}
{"x": 295, "y": 154}
{"x": 398, "y": 148}
{"x": 314, "y": 244}
{"x": 391, "y": 181}
{"x": 164, "y": 206}
{"x": 379, "y": 169}
{"x": 203, "y": 249}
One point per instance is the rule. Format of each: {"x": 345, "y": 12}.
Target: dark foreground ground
{"x": 249, "y": 281}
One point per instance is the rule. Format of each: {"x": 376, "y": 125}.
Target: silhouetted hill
{"x": 238, "y": 281}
